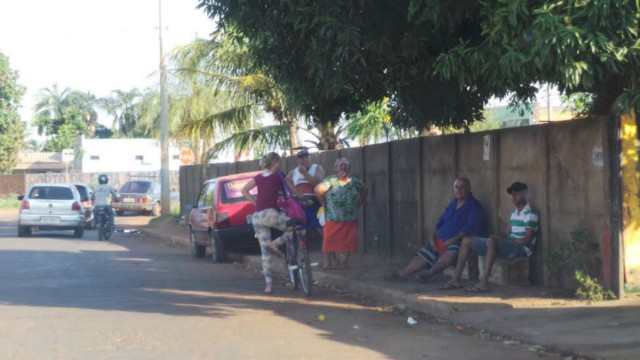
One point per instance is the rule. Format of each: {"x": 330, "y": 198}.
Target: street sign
{"x": 186, "y": 156}
{"x": 67, "y": 155}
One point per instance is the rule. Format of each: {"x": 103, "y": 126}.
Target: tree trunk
{"x": 606, "y": 92}
{"x": 292, "y": 122}
{"x": 328, "y": 140}
{"x": 204, "y": 164}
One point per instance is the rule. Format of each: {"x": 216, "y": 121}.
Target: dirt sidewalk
{"x": 534, "y": 315}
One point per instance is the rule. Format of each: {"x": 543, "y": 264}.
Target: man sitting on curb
{"x": 519, "y": 242}
{"x": 463, "y": 217}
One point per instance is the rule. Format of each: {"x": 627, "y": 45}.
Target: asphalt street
{"x": 138, "y": 298}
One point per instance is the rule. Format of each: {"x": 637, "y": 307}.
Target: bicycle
{"x": 297, "y": 261}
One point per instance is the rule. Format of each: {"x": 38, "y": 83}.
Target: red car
{"x": 221, "y": 217}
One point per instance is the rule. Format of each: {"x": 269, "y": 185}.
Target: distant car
{"x": 138, "y": 196}
{"x": 51, "y": 207}
{"x": 86, "y": 191}
{"x": 221, "y": 217}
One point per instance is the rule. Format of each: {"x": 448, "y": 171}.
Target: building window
{"x": 95, "y": 157}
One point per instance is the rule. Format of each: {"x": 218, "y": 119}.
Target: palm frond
{"x": 268, "y": 138}
{"x": 211, "y": 126}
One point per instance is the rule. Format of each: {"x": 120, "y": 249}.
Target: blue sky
{"x": 92, "y": 45}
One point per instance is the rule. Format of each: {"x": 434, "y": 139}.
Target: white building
{"x": 122, "y": 155}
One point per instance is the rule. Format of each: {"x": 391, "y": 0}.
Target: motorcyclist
{"x": 103, "y": 195}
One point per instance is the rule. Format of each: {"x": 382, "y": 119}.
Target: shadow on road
{"x": 136, "y": 274}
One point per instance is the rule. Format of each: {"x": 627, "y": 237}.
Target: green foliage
{"x": 488, "y": 122}
{"x": 123, "y": 106}
{"x": 12, "y": 130}
{"x": 209, "y": 106}
{"x": 373, "y": 124}
{"x": 256, "y": 140}
{"x": 579, "y": 46}
{"x": 437, "y": 61}
{"x": 224, "y": 65}
{"x": 62, "y": 115}
{"x": 335, "y": 57}
{"x": 590, "y": 289}
{"x": 580, "y": 105}
{"x": 9, "y": 201}
{"x": 579, "y": 256}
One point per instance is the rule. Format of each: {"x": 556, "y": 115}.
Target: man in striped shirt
{"x": 519, "y": 241}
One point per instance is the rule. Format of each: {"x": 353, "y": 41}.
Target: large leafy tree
{"x": 12, "y": 130}
{"x": 581, "y": 46}
{"x": 336, "y": 57}
{"x": 438, "y": 61}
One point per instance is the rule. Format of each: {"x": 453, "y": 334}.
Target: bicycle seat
{"x": 294, "y": 222}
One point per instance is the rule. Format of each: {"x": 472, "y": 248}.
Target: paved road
{"x": 137, "y": 298}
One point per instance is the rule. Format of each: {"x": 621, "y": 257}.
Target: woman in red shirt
{"x": 267, "y": 215}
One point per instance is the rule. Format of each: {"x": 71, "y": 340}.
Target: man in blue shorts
{"x": 464, "y": 216}
{"x": 518, "y": 241}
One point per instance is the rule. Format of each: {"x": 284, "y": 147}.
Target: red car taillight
{"x": 75, "y": 206}
{"x": 222, "y": 221}
{"x": 25, "y": 205}
{"x": 144, "y": 200}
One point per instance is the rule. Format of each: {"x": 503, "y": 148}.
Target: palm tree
{"x": 148, "y": 107}
{"x": 49, "y": 109}
{"x": 122, "y": 106}
{"x": 206, "y": 115}
{"x": 373, "y": 124}
{"x": 223, "y": 64}
{"x": 84, "y": 104}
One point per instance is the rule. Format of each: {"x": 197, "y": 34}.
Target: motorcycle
{"x": 103, "y": 222}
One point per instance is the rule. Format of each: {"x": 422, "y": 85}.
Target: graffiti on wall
{"x": 115, "y": 179}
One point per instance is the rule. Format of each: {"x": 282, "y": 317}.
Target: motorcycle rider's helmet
{"x": 103, "y": 179}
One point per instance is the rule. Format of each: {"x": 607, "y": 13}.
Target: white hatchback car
{"x": 51, "y": 207}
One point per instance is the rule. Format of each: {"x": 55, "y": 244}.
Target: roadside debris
{"x": 127, "y": 231}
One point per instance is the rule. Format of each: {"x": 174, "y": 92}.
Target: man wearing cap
{"x": 518, "y": 241}
{"x": 305, "y": 177}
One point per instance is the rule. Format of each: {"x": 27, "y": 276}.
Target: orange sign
{"x": 186, "y": 156}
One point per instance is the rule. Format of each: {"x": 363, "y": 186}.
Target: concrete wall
{"x": 410, "y": 182}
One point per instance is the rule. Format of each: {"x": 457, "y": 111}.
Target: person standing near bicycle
{"x": 267, "y": 215}
{"x": 103, "y": 195}
{"x": 341, "y": 194}
{"x": 305, "y": 177}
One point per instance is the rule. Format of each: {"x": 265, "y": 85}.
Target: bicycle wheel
{"x": 304, "y": 269}
{"x": 290, "y": 264}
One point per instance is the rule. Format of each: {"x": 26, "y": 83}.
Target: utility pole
{"x": 165, "y": 184}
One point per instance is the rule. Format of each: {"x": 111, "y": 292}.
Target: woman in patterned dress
{"x": 341, "y": 195}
